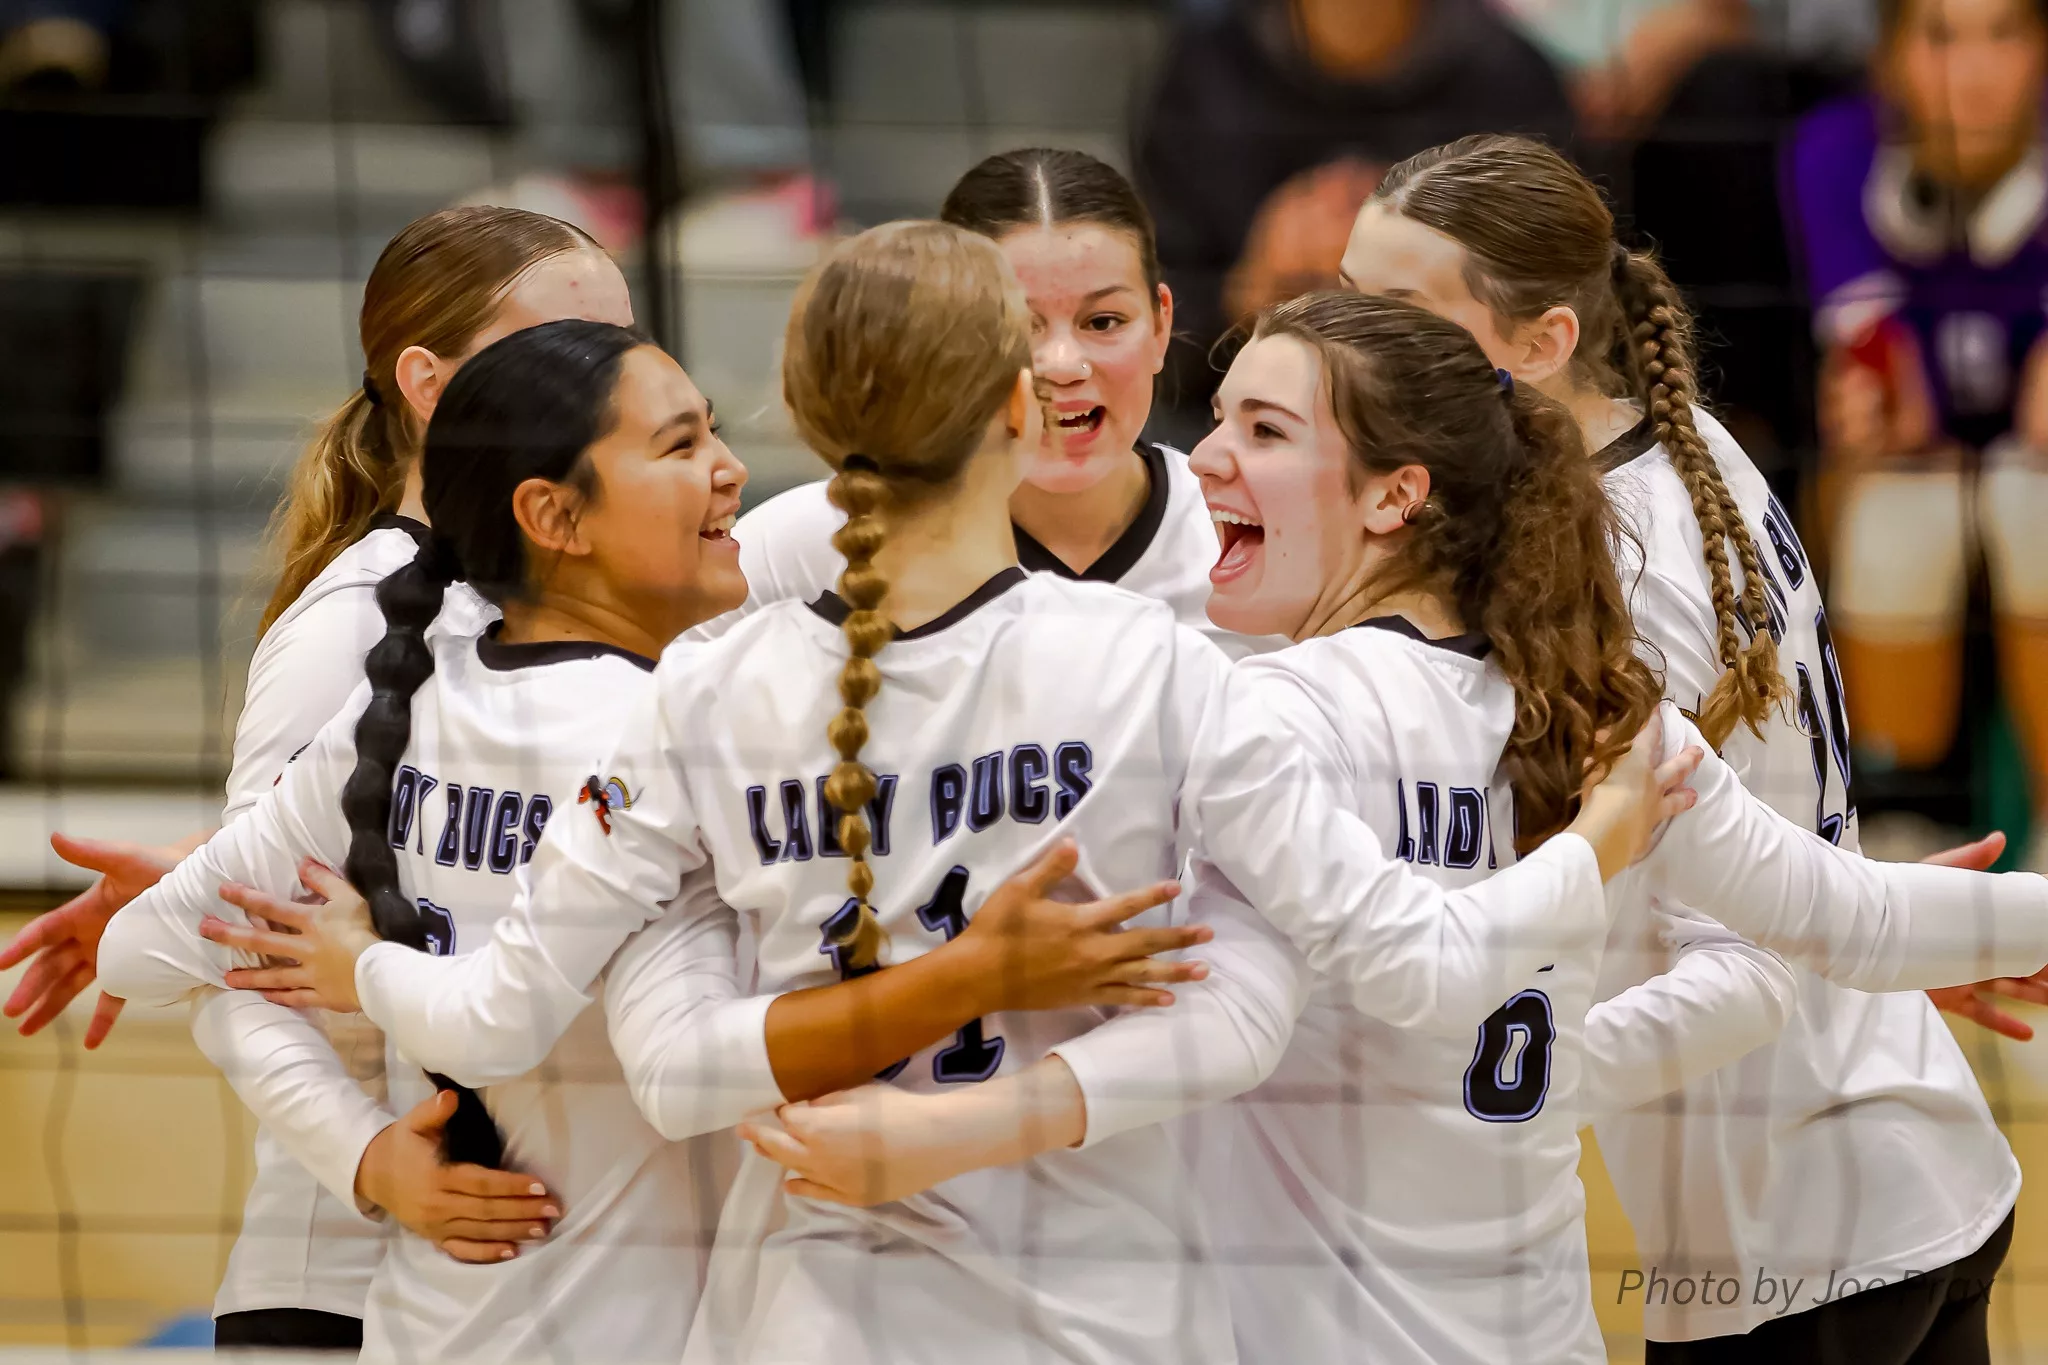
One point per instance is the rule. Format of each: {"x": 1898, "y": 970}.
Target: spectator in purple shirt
{"x": 1920, "y": 211}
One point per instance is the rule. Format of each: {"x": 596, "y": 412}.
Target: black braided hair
{"x": 526, "y": 407}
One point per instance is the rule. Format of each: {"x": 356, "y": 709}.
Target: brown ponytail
{"x": 903, "y": 345}
{"x": 1517, "y": 532}
{"x": 1537, "y": 235}
{"x": 1661, "y": 368}
{"x": 437, "y": 284}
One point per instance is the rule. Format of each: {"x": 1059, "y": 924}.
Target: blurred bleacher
{"x": 245, "y": 331}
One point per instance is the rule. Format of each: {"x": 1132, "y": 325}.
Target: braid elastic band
{"x": 370, "y": 391}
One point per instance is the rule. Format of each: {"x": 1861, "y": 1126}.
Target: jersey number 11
{"x": 970, "y": 1056}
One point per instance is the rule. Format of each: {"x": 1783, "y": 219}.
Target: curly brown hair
{"x": 1517, "y": 533}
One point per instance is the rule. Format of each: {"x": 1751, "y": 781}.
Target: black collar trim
{"x": 1472, "y": 644}
{"x": 832, "y": 607}
{"x": 391, "y": 521}
{"x": 500, "y": 657}
{"x": 1630, "y": 445}
{"x": 1112, "y": 564}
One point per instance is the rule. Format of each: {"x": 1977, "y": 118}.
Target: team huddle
{"x": 1037, "y": 895}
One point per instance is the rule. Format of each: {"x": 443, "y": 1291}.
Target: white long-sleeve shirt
{"x": 1399, "y": 1180}
{"x": 1037, "y": 709}
{"x": 504, "y": 739}
{"x": 301, "y": 1246}
{"x": 1856, "y": 1143}
{"x": 979, "y": 771}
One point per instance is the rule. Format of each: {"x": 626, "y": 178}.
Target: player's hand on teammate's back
{"x": 472, "y": 1213}
{"x": 1048, "y": 953}
{"x": 1621, "y": 814}
{"x": 312, "y": 950}
{"x": 1970, "y": 1002}
{"x": 66, "y": 941}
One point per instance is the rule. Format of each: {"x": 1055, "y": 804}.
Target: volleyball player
{"x": 1029, "y": 707}
{"x": 1440, "y": 546}
{"x": 445, "y": 287}
{"x": 1857, "y": 1146}
{"x": 1098, "y": 503}
{"x": 577, "y": 482}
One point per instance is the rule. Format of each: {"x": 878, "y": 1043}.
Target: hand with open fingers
{"x": 1048, "y": 953}
{"x": 1622, "y": 814}
{"x": 311, "y": 950}
{"x": 472, "y": 1213}
{"x": 66, "y": 941}
{"x": 862, "y": 1147}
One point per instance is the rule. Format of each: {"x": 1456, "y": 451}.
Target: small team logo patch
{"x": 605, "y": 795}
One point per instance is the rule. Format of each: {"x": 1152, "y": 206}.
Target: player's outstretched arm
{"x": 1721, "y": 999}
{"x": 1977, "y": 1001}
{"x": 152, "y": 952}
{"x": 700, "y": 1054}
{"x": 1226, "y": 1034}
{"x": 1860, "y": 923}
{"x": 1272, "y": 791}
{"x": 65, "y": 942}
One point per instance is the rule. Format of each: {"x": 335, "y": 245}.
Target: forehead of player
{"x": 584, "y": 284}
{"x": 1398, "y": 258}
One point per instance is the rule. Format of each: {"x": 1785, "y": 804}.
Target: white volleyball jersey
{"x": 1395, "y": 1191}
{"x": 1036, "y": 709}
{"x": 1858, "y": 1144}
{"x": 786, "y": 552}
{"x": 1407, "y": 1179}
{"x": 299, "y": 1247}
{"x": 504, "y": 739}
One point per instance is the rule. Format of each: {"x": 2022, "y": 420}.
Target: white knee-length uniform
{"x": 504, "y": 739}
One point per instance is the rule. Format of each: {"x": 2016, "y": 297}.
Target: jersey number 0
{"x": 1510, "y": 1072}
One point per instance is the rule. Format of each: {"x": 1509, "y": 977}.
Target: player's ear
{"x": 1546, "y": 346}
{"x": 1024, "y": 413}
{"x": 1390, "y": 501}
{"x": 549, "y": 517}
{"x": 1162, "y": 321}
{"x": 422, "y": 377}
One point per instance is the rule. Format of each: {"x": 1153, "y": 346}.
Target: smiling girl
{"x": 575, "y": 480}
{"x": 444, "y": 288}
{"x": 1097, "y": 502}
{"x": 1746, "y": 1169}
{"x": 1439, "y": 547}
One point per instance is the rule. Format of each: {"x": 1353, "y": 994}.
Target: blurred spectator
{"x": 734, "y": 100}
{"x": 1920, "y": 210}
{"x": 1272, "y": 122}
{"x": 56, "y": 45}
{"x": 1626, "y": 58}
